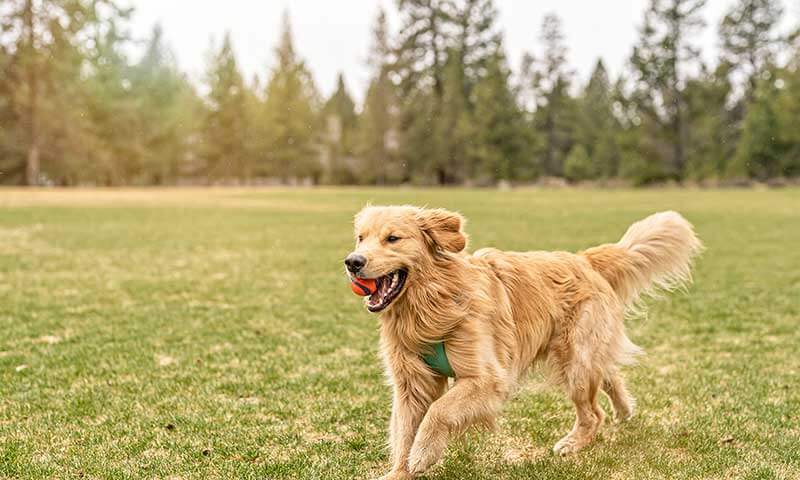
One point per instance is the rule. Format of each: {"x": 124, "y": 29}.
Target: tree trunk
{"x": 441, "y": 176}
{"x": 436, "y": 67}
{"x": 550, "y": 156}
{"x": 678, "y": 160}
{"x": 32, "y": 163}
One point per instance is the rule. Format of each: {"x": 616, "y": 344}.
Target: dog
{"x": 498, "y": 313}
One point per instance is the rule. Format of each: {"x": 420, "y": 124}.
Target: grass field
{"x": 211, "y": 334}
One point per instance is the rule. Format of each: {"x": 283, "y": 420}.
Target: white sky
{"x": 335, "y": 35}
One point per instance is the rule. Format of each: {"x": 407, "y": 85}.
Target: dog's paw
{"x": 569, "y": 444}
{"x": 621, "y": 417}
{"x": 418, "y": 461}
{"x": 624, "y": 410}
{"x": 422, "y": 457}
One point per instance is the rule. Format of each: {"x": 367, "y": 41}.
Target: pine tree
{"x": 167, "y": 109}
{"x": 42, "y": 79}
{"x": 422, "y": 46}
{"x": 119, "y": 150}
{"x": 453, "y": 126}
{"x": 596, "y": 127}
{"x": 225, "y": 128}
{"x": 748, "y": 38}
{"x": 11, "y": 164}
{"x": 444, "y": 52}
{"x": 378, "y": 127}
{"x": 789, "y": 110}
{"x": 418, "y": 66}
{"x": 635, "y": 139}
{"x": 477, "y": 39}
{"x": 770, "y": 143}
{"x": 759, "y": 152}
{"x": 749, "y": 46}
{"x": 441, "y": 106}
{"x": 499, "y": 139}
{"x": 340, "y": 124}
{"x": 659, "y": 62}
{"x": 290, "y": 115}
{"x": 711, "y": 141}
{"x": 555, "y": 109}
{"x": 474, "y": 59}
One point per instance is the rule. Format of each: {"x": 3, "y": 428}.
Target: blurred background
{"x": 195, "y": 333}
{"x": 430, "y": 92}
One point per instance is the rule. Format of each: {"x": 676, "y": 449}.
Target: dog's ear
{"x": 444, "y": 228}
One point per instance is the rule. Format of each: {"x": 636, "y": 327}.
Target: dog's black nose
{"x": 355, "y": 262}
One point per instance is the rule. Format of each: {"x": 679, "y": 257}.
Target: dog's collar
{"x": 438, "y": 362}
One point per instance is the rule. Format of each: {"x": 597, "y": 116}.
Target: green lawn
{"x": 212, "y": 334}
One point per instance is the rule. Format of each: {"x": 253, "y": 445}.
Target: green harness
{"x": 438, "y": 362}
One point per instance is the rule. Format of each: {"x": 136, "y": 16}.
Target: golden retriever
{"x": 498, "y": 313}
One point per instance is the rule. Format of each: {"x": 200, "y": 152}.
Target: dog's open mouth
{"x": 387, "y": 289}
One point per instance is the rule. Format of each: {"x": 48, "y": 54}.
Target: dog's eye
{"x": 360, "y": 238}
{"x": 392, "y": 239}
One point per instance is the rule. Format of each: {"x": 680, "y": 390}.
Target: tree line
{"x": 443, "y": 105}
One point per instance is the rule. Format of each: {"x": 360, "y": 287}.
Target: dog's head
{"x": 395, "y": 245}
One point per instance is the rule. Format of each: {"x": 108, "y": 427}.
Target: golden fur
{"x": 499, "y": 313}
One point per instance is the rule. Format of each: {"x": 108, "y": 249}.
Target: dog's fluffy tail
{"x": 654, "y": 254}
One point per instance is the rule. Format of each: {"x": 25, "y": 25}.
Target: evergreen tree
{"x": 167, "y": 109}
{"x": 596, "y": 127}
{"x": 42, "y": 79}
{"x": 770, "y": 143}
{"x": 422, "y": 46}
{"x": 477, "y": 40}
{"x": 749, "y": 45}
{"x": 500, "y": 141}
{"x": 475, "y": 58}
{"x": 378, "y": 126}
{"x": 225, "y": 149}
{"x": 759, "y": 152}
{"x": 290, "y": 115}
{"x": 789, "y": 108}
{"x": 441, "y": 106}
{"x": 445, "y": 51}
{"x": 116, "y": 153}
{"x": 659, "y": 62}
{"x": 555, "y": 109}
{"x": 748, "y": 38}
{"x": 11, "y": 163}
{"x": 635, "y": 140}
{"x": 340, "y": 123}
{"x": 712, "y": 139}
{"x": 418, "y": 66}
{"x": 453, "y": 126}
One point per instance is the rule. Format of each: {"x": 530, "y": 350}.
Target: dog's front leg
{"x": 471, "y": 400}
{"x": 410, "y": 402}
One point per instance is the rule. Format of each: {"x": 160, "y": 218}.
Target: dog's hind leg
{"x": 582, "y": 358}
{"x": 583, "y": 388}
{"x": 623, "y": 402}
